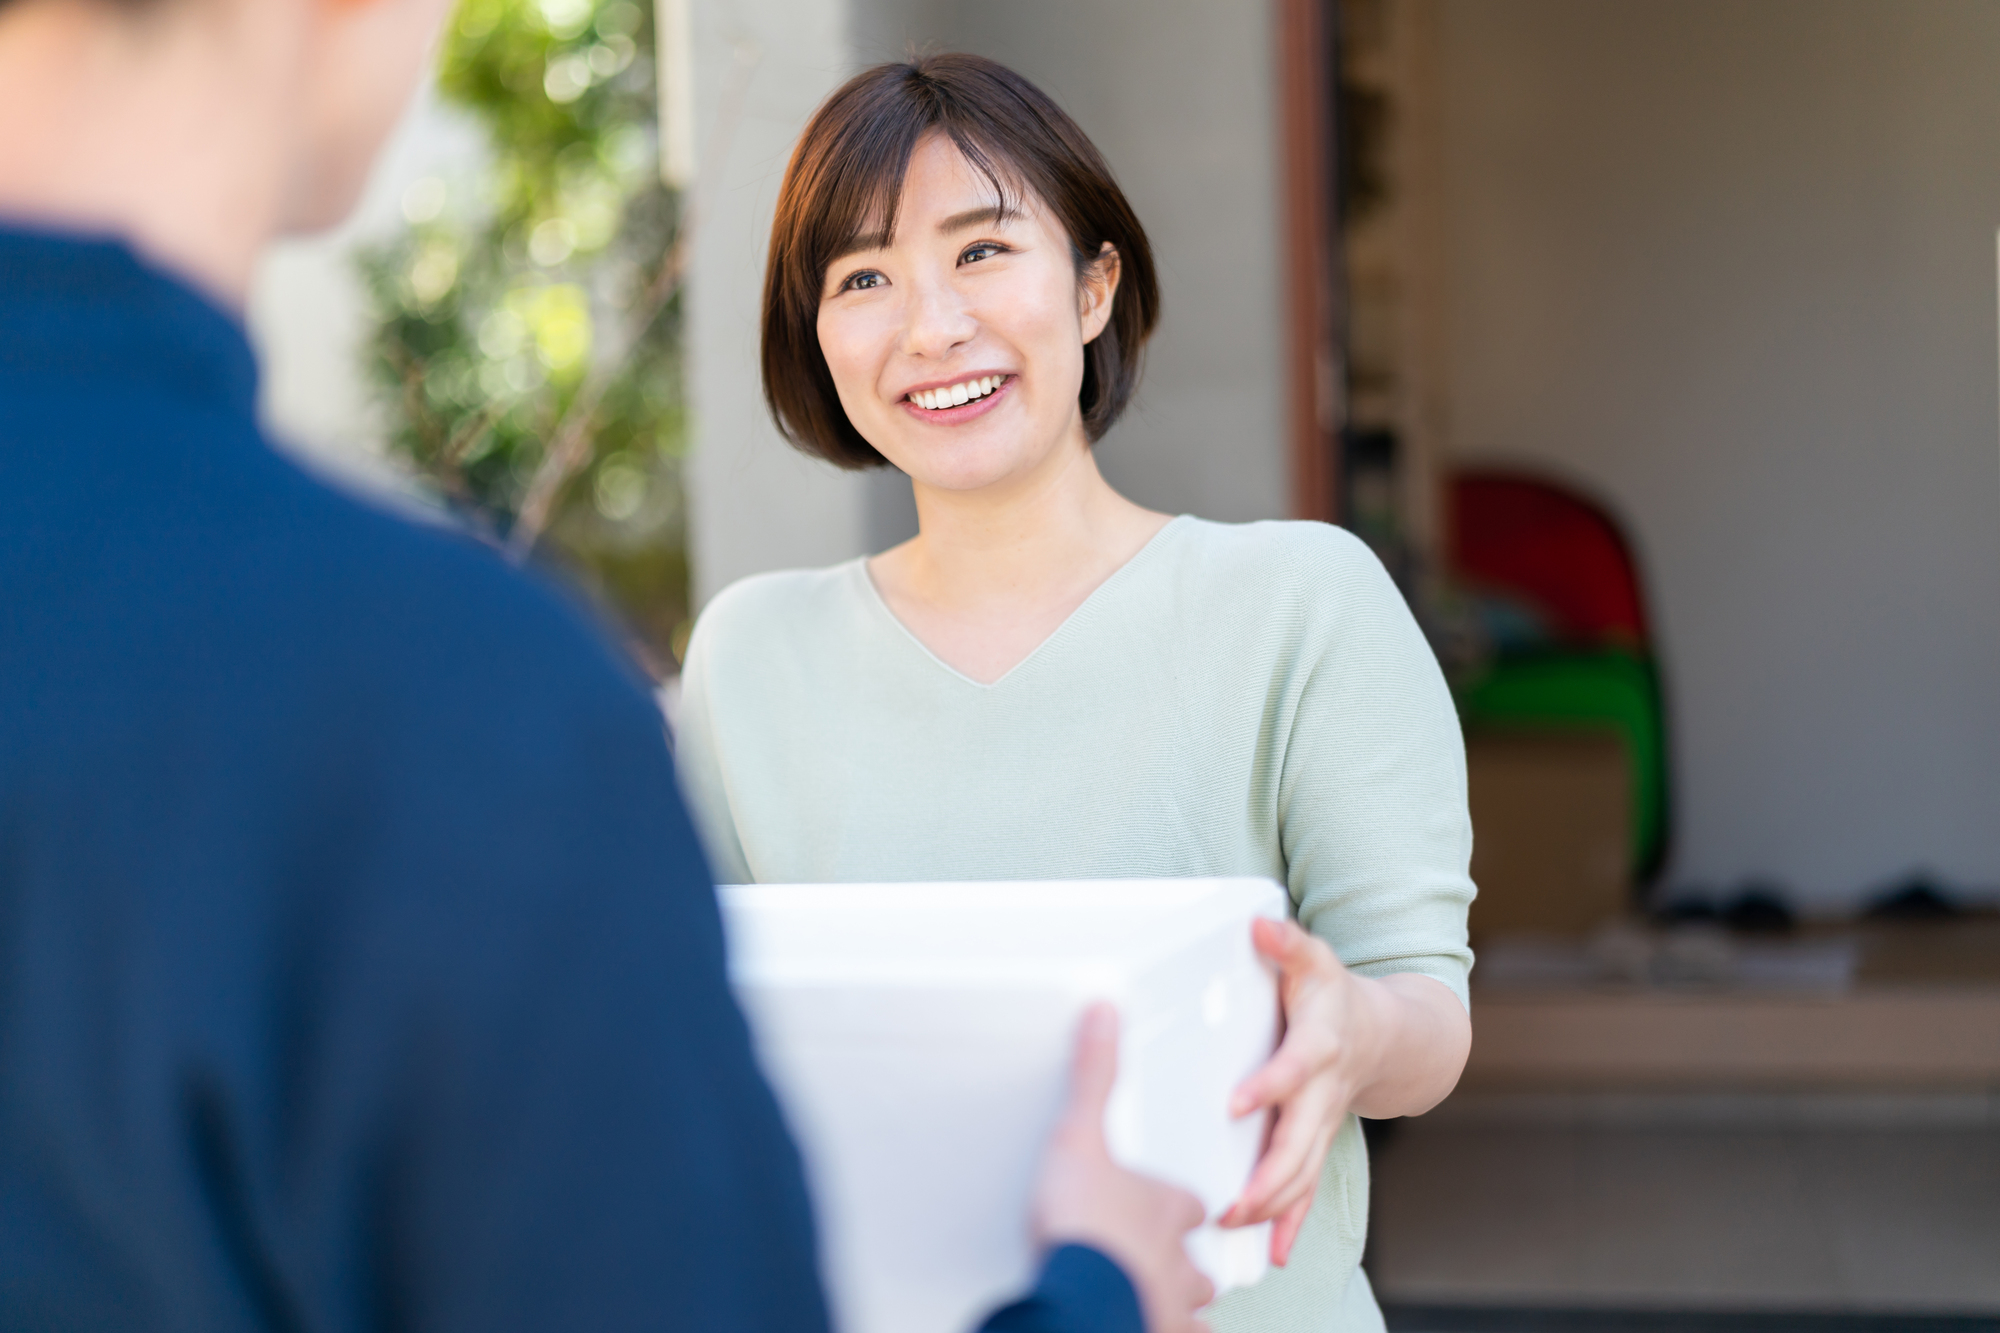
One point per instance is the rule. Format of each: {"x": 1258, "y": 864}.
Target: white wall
{"x": 1178, "y": 94}
{"x": 1731, "y": 264}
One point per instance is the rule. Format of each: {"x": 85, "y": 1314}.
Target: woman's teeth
{"x": 936, "y": 400}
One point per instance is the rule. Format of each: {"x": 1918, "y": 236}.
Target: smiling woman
{"x": 1051, "y": 682}
{"x": 1016, "y": 152}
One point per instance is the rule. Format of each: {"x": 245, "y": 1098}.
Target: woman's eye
{"x": 984, "y": 250}
{"x": 861, "y": 282}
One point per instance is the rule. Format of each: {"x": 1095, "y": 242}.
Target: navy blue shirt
{"x": 358, "y": 965}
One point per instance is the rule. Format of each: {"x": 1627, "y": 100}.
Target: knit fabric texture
{"x": 1238, "y": 699}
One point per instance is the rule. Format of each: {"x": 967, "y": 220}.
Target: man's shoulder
{"x": 302, "y": 596}
{"x": 404, "y": 599}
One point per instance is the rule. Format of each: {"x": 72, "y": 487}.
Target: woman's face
{"x": 957, "y": 347}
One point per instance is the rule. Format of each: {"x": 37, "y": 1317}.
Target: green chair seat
{"x": 1609, "y": 688}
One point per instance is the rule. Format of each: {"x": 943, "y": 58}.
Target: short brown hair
{"x": 847, "y": 174}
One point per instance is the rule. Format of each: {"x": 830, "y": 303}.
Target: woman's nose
{"x": 937, "y": 321}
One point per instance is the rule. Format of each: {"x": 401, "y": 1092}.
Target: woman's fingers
{"x": 1299, "y": 1189}
{"x": 1290, "y": 1164}
{"x": 1311, "y": 980}
{"x": 1303, "y": 1079}
{"x": 1248, "y": 1212}
{"x": 1290, "y": 1169}
{"x": 1279, "y": 1079}
{"x": 1283, "y": 1162}
{"x": 1287, "y": 944}
{"x": 1295, "y": 1193}
{"x": 1285, "y": 1231}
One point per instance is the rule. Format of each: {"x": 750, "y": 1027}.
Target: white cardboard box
{"x": 919, "y": 1038}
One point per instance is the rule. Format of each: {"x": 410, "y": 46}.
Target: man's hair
{"x": 847, "y": 174}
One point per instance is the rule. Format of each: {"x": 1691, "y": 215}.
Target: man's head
{"x": 201, "y": 129}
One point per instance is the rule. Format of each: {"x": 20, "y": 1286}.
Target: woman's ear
{"x": 1096, "y": 290}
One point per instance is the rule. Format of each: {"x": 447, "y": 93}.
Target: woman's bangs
{"x": 859, "y": 210}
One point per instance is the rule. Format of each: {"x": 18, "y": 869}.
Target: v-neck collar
{"x": 873, "y": 596}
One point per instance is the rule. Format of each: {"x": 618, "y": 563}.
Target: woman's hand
{"x": 1383, "y": 1048}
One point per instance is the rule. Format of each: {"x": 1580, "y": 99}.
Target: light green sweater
{"x": 1237, "y": 700}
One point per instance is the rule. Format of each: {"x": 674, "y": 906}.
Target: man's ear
{"x": 1096, "y": 291}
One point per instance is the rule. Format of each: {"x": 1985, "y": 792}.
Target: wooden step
{"x": 1874, "y": 1037}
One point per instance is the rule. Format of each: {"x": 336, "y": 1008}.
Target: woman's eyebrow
{"x": 857, "y": 243}
{"x": 973, "y": 217}
{"x": 984, "y": 215}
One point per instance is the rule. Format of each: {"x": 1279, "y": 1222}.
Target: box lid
{"x": 1090, "y": 933}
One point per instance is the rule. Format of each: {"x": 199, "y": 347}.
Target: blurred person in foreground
{"x": 358, "y": 966}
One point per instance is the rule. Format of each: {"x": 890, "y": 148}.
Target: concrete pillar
{"x": 761, "y": 66}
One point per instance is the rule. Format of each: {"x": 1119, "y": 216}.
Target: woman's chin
{"x": 963, "y": 468}
{"x": 962, "y": 480}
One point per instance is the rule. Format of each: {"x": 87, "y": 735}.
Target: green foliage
{"x": 521, "y": 297}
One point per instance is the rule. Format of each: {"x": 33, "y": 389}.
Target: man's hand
{"x": 1086, "y": 1198}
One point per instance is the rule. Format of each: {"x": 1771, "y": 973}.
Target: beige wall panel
{"x": 1731, "y": 265}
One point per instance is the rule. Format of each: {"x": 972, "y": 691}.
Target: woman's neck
{"x": 994, "y": 572}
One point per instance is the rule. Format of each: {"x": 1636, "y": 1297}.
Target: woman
{"x": 1050, "y": 681}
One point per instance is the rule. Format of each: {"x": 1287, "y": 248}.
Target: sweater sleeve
{"x": 1372, "y": 798}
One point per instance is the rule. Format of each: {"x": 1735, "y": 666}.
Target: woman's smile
{"x": 955, "y": 402}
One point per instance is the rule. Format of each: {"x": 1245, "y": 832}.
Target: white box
{"x": 919, "y": 1038}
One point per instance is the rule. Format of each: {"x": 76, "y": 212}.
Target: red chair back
{"x": 1554, "y": 547}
